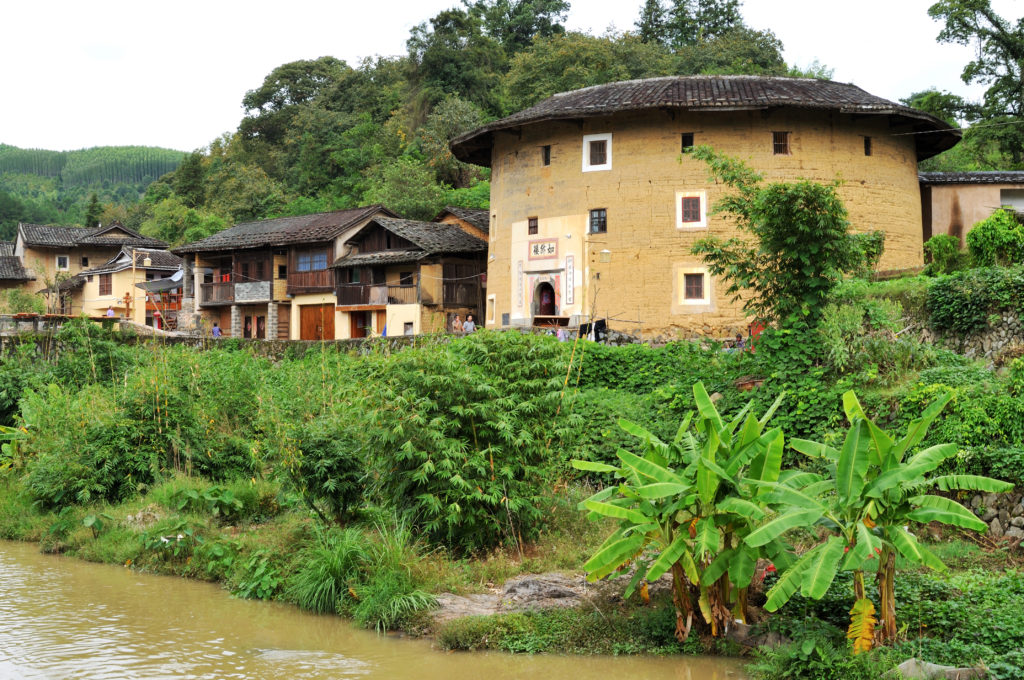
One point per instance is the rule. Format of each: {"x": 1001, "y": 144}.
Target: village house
{"x": 470, "y": 220}
{"x": 55, "y": 255}
{"x": 404, "y": 277}
{"x": 117, "y": 285}
{"x": 595, "y": 209}
{"x": 12, "y": 273}
{"x": 271, "y": 278}
{"x": 953, "y": 202}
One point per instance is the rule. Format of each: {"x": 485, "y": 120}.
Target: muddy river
{"x": 62, "y": 618}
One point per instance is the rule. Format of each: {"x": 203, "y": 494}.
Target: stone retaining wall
{"x": 987, "y": 343}
{"x": 1003, "y": 512}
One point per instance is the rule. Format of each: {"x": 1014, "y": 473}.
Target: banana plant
{"x": 874, "y": 488}
{"x": 687, "y": 506}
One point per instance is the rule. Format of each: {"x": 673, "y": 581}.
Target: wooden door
{"x": 358, "y": 322}
{"x": 382, "y": 322}
{"x": 316, "y": 322}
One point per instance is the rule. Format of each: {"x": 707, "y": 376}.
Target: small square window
{"x": 867, "y": 146}
{"x": 532, "y": 226}
{"x": 694, "y": 286}
{"x": 506, "y": 318}
{"x": 353, "y": 276}
{"x": 780, "y": 143}
{"x": 687, "y": 141}
{"x": 85, "y": 262}
{"x": 63, "y": 262}
{"x": 545, "y": 154}
{"x": 599, "y": 221}
{"x": 405, "y": 279}
{"x": 282, "y": 271}
{"x": 691, "y": 209}
{"x": 89, "y": 278}
{"x": 407, "y": 328}
{"x": 597, "y": 152}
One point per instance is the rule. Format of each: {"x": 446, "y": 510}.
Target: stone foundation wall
{"x": 985, "y": 344}
{"x": 1003, "y": 512}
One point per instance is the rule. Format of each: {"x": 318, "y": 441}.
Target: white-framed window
{"x": 691, "y": 210}
{"x": 491, "y": 304}
{"x": 597, "y": 152}
{"x": 694, "y": 286}
{"x": 63, "y": 263}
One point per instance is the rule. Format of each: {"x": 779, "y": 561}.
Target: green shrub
{"x": 1017, "y": 377}
{"x": 329, "y": 569}
{"x": 388, "y": 599}
{"x": 963, "y": 302}
{"x": 943, "y": 255}
{"x": 20, "y": 301}
{"x": 326, "y": 467}
{"x": 997, "y": 240}
{"x": 816, "y": 659}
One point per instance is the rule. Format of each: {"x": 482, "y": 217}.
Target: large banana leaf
{"x": 814, "y": 449}
{"x": 772, "y": 409}
{"x": 882, "y": 442}
{"x": 591, "y": 466}
{"x": 970, "y": 483}
{"x": 706, "y": 407}
{"x": 912, "y": 472}
{"x": 708, "y": 538}
{"x": 669, "y": 556}
{"x": 780, "y": 525}
{"x": 661, "y": 490}
{"x": 616, "y": 511}
{"x": 789, "y": 581}
{"x": 908, "y": 546}
{"x": 852, "y": 466}
{"x": 648, "y": 468}
{"x": 718, "y": 566}
{"x": 741, "y": 507}
{"x": 612, "y": 556}
{"x": 742, "y": 565}
{"x": 767, "y": 466}
{"x": 939, "y": 509}
{"x": 863, "y": 547}
{"x": 918, "y": 428}
{"x": 783, "y": 493}
{"x": 821, "y": 570}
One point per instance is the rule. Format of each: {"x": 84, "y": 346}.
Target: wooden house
{"x": 272, "y": 278}
{"x": 404, "y": 277}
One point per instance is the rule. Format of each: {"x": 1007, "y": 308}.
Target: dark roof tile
{"x": 44, "y": 236}
{"x": 986, "y": 177}
{"x": 708, "y": 93}
{"x": 481, "y": 219}
{"x": 283, "y": 231}
{"x": 11, "y": 269}
{"x": 431, "y": 238}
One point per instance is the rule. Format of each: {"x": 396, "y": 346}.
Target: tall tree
{"x": 651, "y": 26}
{"x": 453, "y": 56}
{"x": 740, "y": 50}
{"x": 691, "y": 21}
{"x": 188, "y": 179}
{"x": 515, "y": 23}
{"x": 93, "y": 211}
{"x": 999, "y": 63}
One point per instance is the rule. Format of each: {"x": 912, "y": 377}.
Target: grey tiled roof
{"x": 44, "y": 236}
{"x": 481, "y": 219}
{"x": 432, "y": 238}
{"x": 11, "y": 269}
{"x": 6, "y": 248}
{"x": 283, "y": 231}
{"x": 380, "y": 257}
{"x": 159, "y": 259}
{"x": 988, "y": 177}
{"x": 709, "y": 93}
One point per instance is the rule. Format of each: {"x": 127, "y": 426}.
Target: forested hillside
{"x": 37, "y": 185}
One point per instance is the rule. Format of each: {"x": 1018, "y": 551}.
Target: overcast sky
{"x": 78, "y": 74}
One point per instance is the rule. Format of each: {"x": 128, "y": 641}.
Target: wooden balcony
{"x": 163, "y": 301}
{"x": 310, "y": 282}
{"x": 376, "y": 295}
{"x": 216, "y": 293}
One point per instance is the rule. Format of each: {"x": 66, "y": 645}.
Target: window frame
{"x": 702, "y": 221}
{"x": 781, "y": 143}
{"x": 106, "y": 281}
{"x": 532, "y": 226}
{"x": 67, "y": 263}
{"x": 85, "y": 261}
{"x": 604, "y": 221}
{"x": 867, "y": 146}
{"x": 588, "y": 166}
{"x": 545, "y": 155}
{"x": 706, "y": 285}
{"x": 684, "y": 147}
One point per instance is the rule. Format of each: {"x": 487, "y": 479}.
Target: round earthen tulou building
{"x": 594, "y": 209}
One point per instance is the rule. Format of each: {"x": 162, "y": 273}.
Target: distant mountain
{"x": 49, "y": 187}
{"x": 87, "y": 167}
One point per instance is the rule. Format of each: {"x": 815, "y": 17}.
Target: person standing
{"x": 469, "y": 326}
{"x": 457, "y": 324}
{"x": 216, "y": 330}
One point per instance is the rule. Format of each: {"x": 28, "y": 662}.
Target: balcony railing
{"x": 377, "y": 295}
{"x": 305, "y": 282}
{"x": 217, "y": 292}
